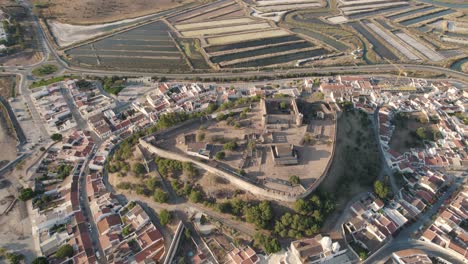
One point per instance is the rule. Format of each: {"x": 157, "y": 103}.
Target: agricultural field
{"x": 101, "y": 11}
{"x": 147, "y": 47}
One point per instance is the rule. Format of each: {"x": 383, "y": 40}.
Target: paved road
{"x": 404, "y": 241}
{"x": 84, "y": 205}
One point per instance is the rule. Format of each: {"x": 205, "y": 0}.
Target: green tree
{"x": 56, "y": 137}
{"x": 260, "y": 214}
{"x": 301, "y": 206}
{"x": 160, "y": 196}
{"x": 201, "y": 136}
{"x": 195, "y": 196}
{"x": 14, "y": 258}
{"x": 40, "y": 260}
{"x": 232, "y": 145}
{"x": 126, "y": 231}
{"x": 436, "y": 135}
{"x": 269, "y": 244}
{"x": 211, "y": 108}
{"x": 363, "y": 255}
{"x": 189, "y": 169}
{"x": 220, "y": 155}
{"x": 421, "y": 132}
{"x": 294, "y": 180}
{"x": 151, "y": 183}
{"x": 187, "y": 233}
{"x": 139, "y": 168}
{"x": 26, "y": 194}
{"x": 380, "y": 189}
{"x": 64, "y": 251}
{"x": 165, "y": 217}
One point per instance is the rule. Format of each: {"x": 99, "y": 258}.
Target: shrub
{"x": 139, "y": 169}
{"x": 26, "y": 194}
{"x": 195, "y": 196}
{"x": 220, "y": 155}
{"x": 64, "y": 251}
{"x": 269, "y": 244}
{"x": 294, "y": 180}
{"x": 14, "y": 258}
{"x": 380, "y": 189}
{"x": 40, "y": 260}
{"x": 160, "y": 196}
{"x": 45, "y": 70}
{"x": 165, "y": 217}
{"x": 124, "y": 185}
{"x": 56, "y": 137}
{"x": 126, "y": 231}
{"x": 232, "y": 145}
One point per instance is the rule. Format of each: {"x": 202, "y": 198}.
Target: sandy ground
{"x": 22, "y": 58}
{"x": 15, "y": 227}
{"x": 15, "y": 230}
{"x": 402, "y": 139}
{"x": 103, "y": 11}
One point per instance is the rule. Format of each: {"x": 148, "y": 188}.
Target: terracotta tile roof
{"x": 155, "y": 250}
{"x": 107, "y": 222}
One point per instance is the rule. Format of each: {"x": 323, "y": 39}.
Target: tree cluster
{"x": 113, "y": 85}
{"x": 63, "y": 170}
{"x": 308, "y": 219}
{"x": 26, "y": 194}
{"x": 267, "y": 243}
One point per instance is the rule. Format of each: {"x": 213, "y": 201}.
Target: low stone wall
{"x": 241, "y": 183}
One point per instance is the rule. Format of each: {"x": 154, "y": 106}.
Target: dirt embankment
{"x": 102, "y": 11}
{"x": 7, "y": 133}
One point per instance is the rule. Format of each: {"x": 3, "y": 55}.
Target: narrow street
{"x": 404, "y": 239}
